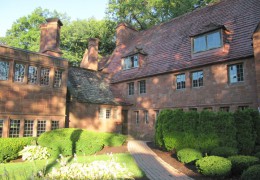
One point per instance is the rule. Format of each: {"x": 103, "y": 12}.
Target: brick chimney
{"x": 90, "y": 58}
{"x": 50, "y": 37}
{"x": 124, "y": 32}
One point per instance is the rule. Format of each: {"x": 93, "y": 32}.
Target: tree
{"x": 143, "y": 14}
{"x": 25, "y": 34}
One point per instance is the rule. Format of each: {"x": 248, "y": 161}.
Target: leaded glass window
{"x": 32, "y": 74}
{"x": 45, "y": 76}
{"x": 4, "y": 70}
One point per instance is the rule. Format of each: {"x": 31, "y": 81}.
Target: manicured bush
{"x": 214, "y": 166}
{"x": 70, "y": 140}
{"x": 188, "y": 155}
{"x": 241, "y": 163}
{"x": 257, "y": 155}
{"x": 9, "y": 147}
{"x": 224, "y": 151}
{"x": 246, "y": 134}
{"x": 252, "y": 173}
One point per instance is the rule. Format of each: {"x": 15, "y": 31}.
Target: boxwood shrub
{"x": 252, "y": 173}
{"x": 214, "y": 166}
{"x": 241, "y": 163}
{"x": 224, "y": 151}
{"x": 11, "y": 146}
{"x": 69, "y": 141}
{"x": 188, "y": 155}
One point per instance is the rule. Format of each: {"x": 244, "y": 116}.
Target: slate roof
{"x": 168, "y": 45}
{"x": 89, "y": 86}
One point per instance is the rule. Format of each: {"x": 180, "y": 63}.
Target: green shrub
{"x": 224, "y": 151}
{"x": 252, "y": 173}
{"x": 241, "y": 163}
{"x": 257, "y": 155}
{"x": 188, "y": 155}
{"x": 246, "y": 135}
{"x": 11, "y": 146}
{"x": 214, "y": 166}
{"x": 257, "y": 149}
{"x": 70, "y": 140}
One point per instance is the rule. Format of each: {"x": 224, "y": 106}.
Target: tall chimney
{"x": 90, "y": 59}
{"x": 50, "y": 37}
{"x": 124, "y": 33}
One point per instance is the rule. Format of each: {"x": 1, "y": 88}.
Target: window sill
{"x": 207, "y": 52}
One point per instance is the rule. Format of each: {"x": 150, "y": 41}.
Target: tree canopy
{"x": 143, "y": 14}
{"x": 25, "y": 34}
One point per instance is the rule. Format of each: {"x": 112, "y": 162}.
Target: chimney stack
{"x": 90, "y": 59}
{"x": 50, "y": 37}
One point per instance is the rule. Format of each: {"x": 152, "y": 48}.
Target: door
{"x": 125, "y": 122}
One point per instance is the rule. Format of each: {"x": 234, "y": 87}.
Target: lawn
{"x": 24, "y": 170}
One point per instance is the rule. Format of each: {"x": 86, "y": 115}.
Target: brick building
{"x": 33, "y": 86}
{"x": 205, "y": 59}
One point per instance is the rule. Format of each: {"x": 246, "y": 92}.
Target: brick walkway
{"x": 153, "y": 166}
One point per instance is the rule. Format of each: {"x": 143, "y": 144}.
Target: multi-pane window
{"x": 45, "y": 76}
{"x": 131, "y": 88}
{"x": 19, "y": 72}
{"x": 4, "y": 70}
{"x": 32, "y": 74}
{"x": 137, "y": 117}
{"x": 108, "y": 113}
{"x": 57, "y": 78}
{"x": 242, "y": 107}
{"x": 146, "y": 119}
{"x": 236, "y": 73}
{"x": 28, "y": 128}
{"x": 142, "y": 87}
{"x": 14, "y": 129}
{"x": 193, "y": 109}
{"x": 54, "y": 125}
{"x": 207, "y": 41}
{"x": 130, "y": 62}
{"x": 180, "y": 81}
{"x": 226, "y": 109}
{"x": 1, "y": 127}
{"x": 41, "y": 127}
{"x": 197, "y": 79}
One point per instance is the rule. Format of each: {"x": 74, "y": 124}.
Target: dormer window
{"x": 208, "y": 41}
{"x": 130, "y": 62}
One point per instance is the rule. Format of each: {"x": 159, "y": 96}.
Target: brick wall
{"x": 21, "y": 100}
{"x": 216, "y": 92}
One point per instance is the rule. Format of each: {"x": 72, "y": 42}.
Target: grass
{"x": 25, "y": 170}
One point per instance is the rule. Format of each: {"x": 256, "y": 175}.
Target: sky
{"x": 11, "y": 10}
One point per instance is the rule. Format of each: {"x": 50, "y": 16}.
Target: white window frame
{"x": 206, "y": 37}
{"x": 130, "y": 62}
{"x": 180, "y": 81}
{"x": 236, "y": 73}
{"x": 199, "y": 82}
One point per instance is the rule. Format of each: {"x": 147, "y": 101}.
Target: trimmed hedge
{"x": 188, "y": 155}
{"x": 224, "y": 151}
{"x": 205, "y": 131}
{"x": 69, "y": 141}
{"x": 10, "y": 147}
{"x": 241, "y": 163}
{"x": 252, "y": 173}
{"x": 214, "y": 166}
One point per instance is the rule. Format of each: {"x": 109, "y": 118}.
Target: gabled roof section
{"x": 137, "y": 50}
{"x": 88, "y": 86}
{"x": 169, "y": 45}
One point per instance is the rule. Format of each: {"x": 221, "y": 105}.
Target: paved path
{"x": 153, "y": 166}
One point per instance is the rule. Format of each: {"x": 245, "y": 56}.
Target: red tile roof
{"x": 168, "y": 45}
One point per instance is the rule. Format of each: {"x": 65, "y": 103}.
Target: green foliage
{"x": 70, "y": 140}
{"x": 188, "y": 155}
{"x": 257, "y": 155}
{"x": 11, "y": 146}
{"x": 241, "y": 163}
{"x": 33, "y": 152}
{"x": 143, "y": 14}
{"x": 25, "y": 34}
{"x": 252, "y": 173}
{"x": 224, "y": 151}
{"x": 214, "y": 166}
{"x": 246, "y": 133}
